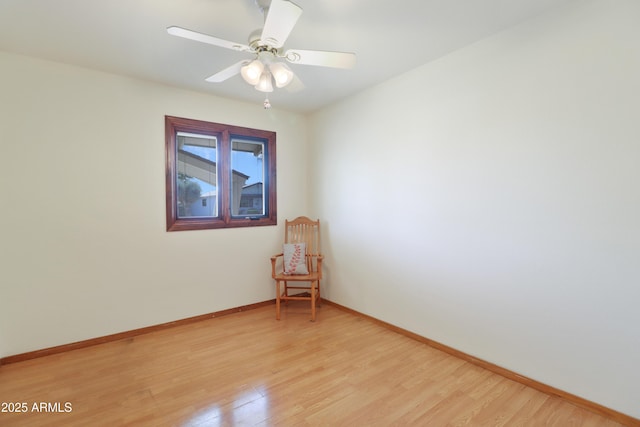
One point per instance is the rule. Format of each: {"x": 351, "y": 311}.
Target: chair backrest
{"x": 304, "y": 230}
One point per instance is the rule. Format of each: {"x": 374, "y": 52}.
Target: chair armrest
{"x": 318, "y": 259}
{"x": 273, "y": 264}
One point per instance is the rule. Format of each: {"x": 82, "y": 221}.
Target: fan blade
{"x": 227, "y": 73}
{"x": 321, "y": 58}
{"x": 295, "y": 86}
{"x": 281, "y": 18}
{"x": 204, "y": 38}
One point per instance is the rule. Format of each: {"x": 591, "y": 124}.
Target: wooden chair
{"x": 307, "y": 231}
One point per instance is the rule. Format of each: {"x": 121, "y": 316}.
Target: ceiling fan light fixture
{"x": 265, "y": 85}
{"x": 266, "y": 44}
{"x": 252, "y": 72}
{"x": 282, "y": 74}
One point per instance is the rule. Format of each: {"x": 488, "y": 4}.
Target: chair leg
{"x": 277, "y": 300}
{"x": 313, "y": 301}
{"x": 286, "y": 292}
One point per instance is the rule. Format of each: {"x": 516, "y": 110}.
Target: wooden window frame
{"x": 225, "y": 133}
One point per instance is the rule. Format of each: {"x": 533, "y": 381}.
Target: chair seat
{"x": 311, "y": 277}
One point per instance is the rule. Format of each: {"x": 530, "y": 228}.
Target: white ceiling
{"x": 129, "y": 37}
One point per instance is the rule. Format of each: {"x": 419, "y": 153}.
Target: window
{"x": 218, "y": 175}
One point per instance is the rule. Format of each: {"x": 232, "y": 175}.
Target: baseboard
{"x": 128, "y": 334}
{"x": 571, "y": 398}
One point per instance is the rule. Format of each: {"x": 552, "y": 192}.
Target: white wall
{"x": 490, "y": 201}
{"x": 84, "y": 252}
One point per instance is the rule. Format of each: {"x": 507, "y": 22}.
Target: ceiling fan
{"x": 267, "y": 67}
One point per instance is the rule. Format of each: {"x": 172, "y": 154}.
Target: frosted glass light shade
{"x": 251, "y": 72}
{"x": 264, "y": 85}
{"x": 281, "y": 74}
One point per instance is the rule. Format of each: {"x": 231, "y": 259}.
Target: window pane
{"x": 218, "y": 175}
{"x": 196, "y": 177}
{"x": 248, "y": 178}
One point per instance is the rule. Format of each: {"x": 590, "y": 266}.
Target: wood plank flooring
{"x": 249, "y": 369}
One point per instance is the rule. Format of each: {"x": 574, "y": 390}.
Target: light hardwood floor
{"x": 249, "y": 369}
